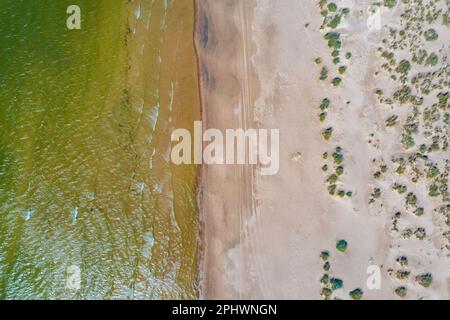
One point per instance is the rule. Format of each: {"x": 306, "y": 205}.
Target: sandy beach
{"x": 263, "y": 235}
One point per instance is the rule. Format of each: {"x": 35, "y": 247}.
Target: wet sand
{"x": 227, "y": 92}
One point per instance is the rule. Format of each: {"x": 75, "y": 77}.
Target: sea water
{"x": 90, "y": 205}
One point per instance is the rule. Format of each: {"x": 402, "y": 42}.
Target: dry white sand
{"x": 263, "y": 235}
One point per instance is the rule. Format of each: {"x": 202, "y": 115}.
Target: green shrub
{"x": 425, "y": 279}
{"x": 376, "y": 193}
{"x": 338, "y": 157}
{"x": 341, "y": 245}
{"x": 332, "y": 7}
{"x": 399, "y": 188}
{"x": 402, "y": 274}
{"x": 433, "y": 171}
{"x": 391, "y": 121}
{"x": 407, "y": 141}
{"x": 323, "y": 73}
{"x": 430, "y": 35}
{"x": 420, "y": 233}
{"x": 332, "y": 179}
{"x": 334, "y": 23}
{"x": 336, "y": 283}
{"x": 356, "y": 294}
{"x": 324, "y": 255}
{"x": 342, "y": 69}
{"x": 326, "y": 293}
{"x": 411, "y": 199}
{"x": 332, "y": 189}
{"x": 403, "y": 261}
{"x": 327, "y": 133}
{"x": 432, "y": 60}
{"x": 333, "y": 40}
{"x": 336, "y": 81}
{"x": 419, "y": 56}
{"x": 325, "y": 104}
{"x": 401, "y": 291}
{"x": 403, "y": 94}
{"x": 433, "y": 190}
{"x": 404, "y": 66}
{"x": 325, "y": 279}
{"x": 390, "y": 3}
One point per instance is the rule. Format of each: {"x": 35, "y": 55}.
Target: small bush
{"x": 401, "y": 291}
{"x": 420, "y": 233}
{"x": 425, "y": 279}
{"x": 326, "y": 293}
{"x": 419, "y": 212}
{"x": 402, "y": 274}
{"x": 325, "y": 104}
{"x": 390, "y": 3}
{"x": 325, "y": 279}
{"x": 332, "y": 7}
{"x": 338, "y": 157}
{"x": 403, "y": 261}
{"x": 334, "y": 23}
{"x": 332, "y": 179}
{"x": 391, "y": 121}
{"x": 336, "y": 81}
{"x": 332, "y": 189}
{"x": 404, "y": 66}
{"x": 356, "y": 294}
{"x": 432, "y": 60}
{"x": 323, "y": 73}
{"x": 333, "y": 40}
{"x": 327, "y": 133}
{"x": 341, "y": 245}
{"x": 324, "y": 255}
{"x": 342, "y": 69}
{"x": 433, "y": 190}
{"x": 411, "y": 199}
{"x": 336, "y": 283}
{"x": 430, "y": 35}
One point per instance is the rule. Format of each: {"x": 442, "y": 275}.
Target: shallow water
{"x": 85, "y": 122}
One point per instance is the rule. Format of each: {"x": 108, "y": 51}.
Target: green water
{"x": 85, "y": 122}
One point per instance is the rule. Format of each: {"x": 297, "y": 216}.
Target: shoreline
{"x": 222, "y": 68}
{"x": 199, "y": 173}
